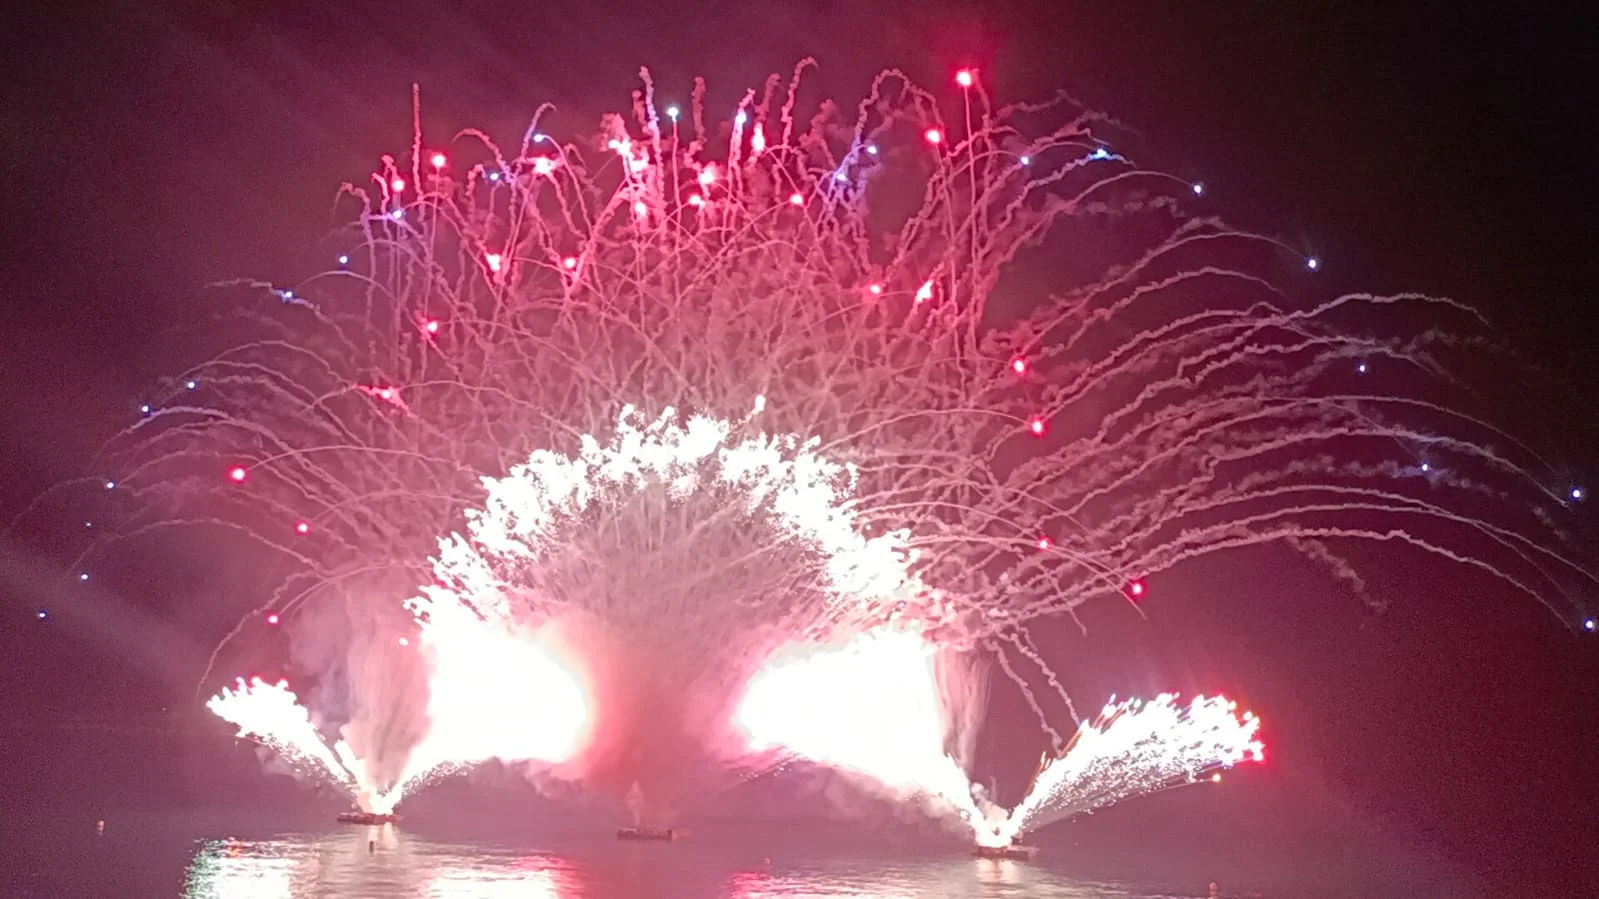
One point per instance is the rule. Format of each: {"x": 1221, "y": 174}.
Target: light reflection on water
{"x": 399, "y": 864}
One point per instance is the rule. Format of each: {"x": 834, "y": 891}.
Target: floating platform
{"x": 367, "y": 818}
{"x": 650, "y": 834}
{"x": 1014, "y": 853}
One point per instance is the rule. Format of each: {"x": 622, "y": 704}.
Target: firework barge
{"x": 648, "y": 834}
{"x": 1014, "y": 853}
{"x": 368, "y": 818}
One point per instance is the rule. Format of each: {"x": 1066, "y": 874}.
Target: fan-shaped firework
{"x": 1010, "y": 365}
{"x": 1131, "y": 749}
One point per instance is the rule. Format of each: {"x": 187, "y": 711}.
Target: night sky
{"x": 1411, "y": 146}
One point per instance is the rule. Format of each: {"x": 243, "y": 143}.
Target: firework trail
{"x": 1132, "y": 749}
{"x": 721, "y": 388}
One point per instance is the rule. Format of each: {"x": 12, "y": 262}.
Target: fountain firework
{"x": 891, "y": 422}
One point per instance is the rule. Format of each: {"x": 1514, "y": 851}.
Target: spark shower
{"x": 731, "y": 436}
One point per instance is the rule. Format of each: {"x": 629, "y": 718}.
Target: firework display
{"x": 686, "y": 447}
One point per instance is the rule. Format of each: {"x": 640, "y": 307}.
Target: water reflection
{"x": 232, "y": 869}
{"x": 379, "y": 862}
{"x": 384, "y": 863}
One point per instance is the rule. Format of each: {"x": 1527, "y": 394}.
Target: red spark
{"x": 386, "y": 393}
{"x": 707, "y": 176}
{"x": 272, "y": 618}
{"x": 439, "y": 160}
{"x": 964, "y": 78}
{"x": 797, "y": 198}
{"x": 569, "y": 263}
{"x": 1019, "y": 365}
{"x": 237, "y": 474}
{"x": 302, "y": 528}
{"x": 1135, "y": 589}
{"x": 494, "y": 260}
{"x": 696, "y": 200}
{"x": 1037, "y": 426}
{"x": 934, "y": 136}
{"x": 1045, "y": 543}
{"x": 397, "y": 185}
{"x": 543, "y": 165}
{"x": 875, "y": 290}
{"x": 432, "y": 326}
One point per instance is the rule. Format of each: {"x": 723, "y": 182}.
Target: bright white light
{"x": 1577, "y": 494}
{"x": 671, "y": 113}
{"x": 344, "y": 259}
{"x": 1199, "y": 189}
{"x": 781, "y": 475}
{"x": 870, "y": 706}
{"x": 741, "y": 118}
{"x": 1027, "y": 160}
{"x": 872, "y": 149}
{"x": 1312, "y": 263}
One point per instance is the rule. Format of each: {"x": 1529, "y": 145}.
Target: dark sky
{"x": 1427, "y": 146}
